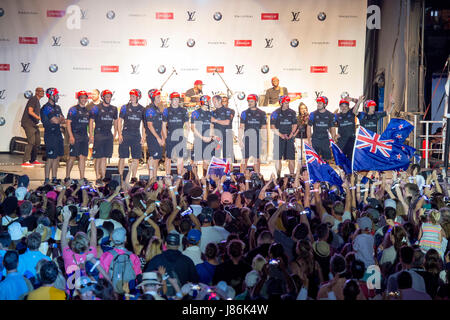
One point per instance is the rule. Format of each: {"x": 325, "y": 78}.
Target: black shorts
{"x": 203, "y": 151}
{"x": 154, "y": 149}
{"x": 251, "y": 146}
{"x": 322, "y": 147}
{"x": 176, "y": 148}
{"x": 283, "y": 149}
{"x": 132, "y": 142}
{"x": 54, "y": 145}
{"x": 103, "y": 145}
{"x": 81, "y": 146}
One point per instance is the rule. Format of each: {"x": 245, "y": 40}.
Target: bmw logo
{"x": 190, "y": 43}
{"x": 2, "y": 121}
{"x": 241, "y": 95}
{"x": 294, "y": 43}
{"x": 2, "y": 12}
{"x": 110, "y": 14}
{"x": 265, "y": 68}
{"x": 84, "y": 41}
{"x": 162, "y": 69}
{"x": 217, "y": 16}
{"x": 28, "y": 94}
{"x": 321, "y": 16}
{"x": 53, "y": 68}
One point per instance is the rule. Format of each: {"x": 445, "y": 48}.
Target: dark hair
{"x": 337, "y": 264}
{"x": 219, "y": 218}
{"x": 406, "y": 254}
{"x": 5, "y": 239}
{"x": 104, "y": 290}
{"x": 48, "y": 272}
{"x": 300, "y": 231}
{"x": 109, "y": 226}
{"x": 34, "y": 241}
{"x": 432, "y": 261}
{"x": 351, "y": 290}
{"x": 235, "y": 249}
{"x": 11, "y": 260}
{"x": 347, "y": 228}
{"x": 358, "y": 269}
{"x": 338, "y": 208}
{"x": 146, "y": 296}
{"x": 218, "y": 97}
{"x": 390, "y": 213}
{"x": 322, "y": 230}
{"x": 404, "y": 280}
{"x": 211, "y": 250}
{"x": 74, "y": 212}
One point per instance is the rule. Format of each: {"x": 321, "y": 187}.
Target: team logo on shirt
{"x": 162, "y": 69}
{"x": 239, "y": 69}
{"x": 294, "y": 43}
{"x": 164, "y": 42}
{"x": 84, "y": 41}
{"x": 190, "y": 43}
{"x": 53, "y": 68}
{"x": 217, "y": 16}
{"x": 25, "y": 67}
{"x": 191, "y": 15}
{"x": 56, "y": 41}
{"x": 295, "y": 16}
{"x": 344, "y": 69}
{"x": 321, "y": 16}
{"x": 265, "y": 69}
{"x": 110, "y": 14}
{"x": 135, "y": 69}
{"x": 28, "y": 94}
{"x": 269, "y": 43}
{"x": 2, "y": 94}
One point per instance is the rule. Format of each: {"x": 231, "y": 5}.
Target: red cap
{"x": 174, "y": 95}
{"x": 82, "y": 93}
{"x": 284, "y": 99}
{"x": 135, "y": 92}
{"x": 370, "y": 103}
{"x": 322, "y": 99}
{"x": 343, "y": 101}
{"x": 155, "y": 93}
{"x": 252, "y": 97}
{"x": 105, "y": 92}
{"x": 51, "y": 92}
{"x": 197, "y": 82}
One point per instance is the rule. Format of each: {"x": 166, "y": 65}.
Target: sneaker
{"x": 99, "y": 182}
{"x": 46, "y": 181}
{"x": 37, "y": 162}
{"x": 56, "y": 181}
{"x": 27, "y": 165}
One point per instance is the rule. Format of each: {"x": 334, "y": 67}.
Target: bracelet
{"x": 171, "y": 187}
{"x": 148, "y": 217}
{"x": 204, "y": 187}
{"x": 176, "y": 193}
{"x": 95, "y": 266}
{"x": 178, "y": 207}
{"x": 248, "y": 181}
{"x": 91, "y": 219}
{"x": 253, "y": 227}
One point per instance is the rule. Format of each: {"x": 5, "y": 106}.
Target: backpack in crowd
{"x": 121, "y": 270}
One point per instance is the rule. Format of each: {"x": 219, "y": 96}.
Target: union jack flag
{"x": 364, "y": 139}
{"x": 311, "y": 155}
{"x": 220, "y": 165}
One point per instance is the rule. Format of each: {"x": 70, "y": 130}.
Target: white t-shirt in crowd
{"x": 194, "y": 253}
{"x": 213, "y": 234}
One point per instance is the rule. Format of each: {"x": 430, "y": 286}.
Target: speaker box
{"x": 110, "y": 170}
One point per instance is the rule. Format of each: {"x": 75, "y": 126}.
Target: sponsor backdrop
{"x": 313, "y": 46}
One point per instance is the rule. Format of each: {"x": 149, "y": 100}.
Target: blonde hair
{"x": 154, "y": 248}
{"x": 435, "y": 216}
{"x": 258, "y": 262}
{"x": 80, "y": 243}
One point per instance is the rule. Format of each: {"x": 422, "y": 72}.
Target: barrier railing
{"x": 426, "y": 147}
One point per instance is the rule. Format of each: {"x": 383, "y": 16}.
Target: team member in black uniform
{"x": 130, "y": 118}
{"x": 346, "y": 124}
{"x": 321, "y": 121}
{"x": 153, "y": 129}
{"x": 52, "y": 118}
{"x": 77, "y": 128}
{"x": 104, "y": 115}
{"x": 201, "y": 127}
{"x": 283, "y": 122}
{"x": 222, "y": 124}
{"x": 253, "y": 121}
{"x": 174, "y": 118}
{"x": 369, "y": 118}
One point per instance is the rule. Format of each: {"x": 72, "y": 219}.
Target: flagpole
{"x": 353, "y": 154}
{"x": 307, "y": 168}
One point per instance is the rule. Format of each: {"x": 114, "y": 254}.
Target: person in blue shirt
{"x": 153, "y": 132}
{"x": 14, "y": 286}
{"x": 29, "y": 260}
{"x": 52, "y": 118}
{"x": 5, "y": 242}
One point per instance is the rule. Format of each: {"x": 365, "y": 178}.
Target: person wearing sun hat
{"x": 150, "y": 284}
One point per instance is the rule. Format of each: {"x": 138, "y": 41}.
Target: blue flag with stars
{"x": 398, "y": 130}
{"x": 372, "y": 152}
{"x": 318, "y": 169}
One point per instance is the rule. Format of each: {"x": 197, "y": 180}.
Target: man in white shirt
{"x": 213, "y": 233}
{"x": 193, "y": 250}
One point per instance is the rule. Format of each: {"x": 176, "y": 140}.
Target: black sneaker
{"x": 133, "y": 180}
{"x": 46, "y": 181}
{"x": 99, "y": 182}
{"x": 55, "y": 181}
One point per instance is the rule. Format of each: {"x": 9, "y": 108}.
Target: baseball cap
{"x": 21, "y": 192}
{"x": 194, "y": 236}
{"x": 390, "y": 203}
{"x": 23, "y": 181}
{"x": 52, "y": 195}
{"x": 365, "y": 223}
{"x": 119, "y": 235}
{"x": 16, "y": 231}
{"x": 225, "y": 290}
{"x": 149, "y": 278}
{"x": 86, "y": 284}
{"x": 197, "y": 82}
{"x": 173, "y": 239}
{"x": 226, "y": 197}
